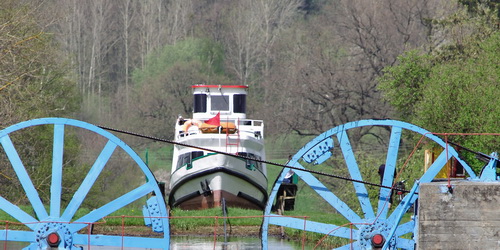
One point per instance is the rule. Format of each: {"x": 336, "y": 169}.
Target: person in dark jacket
{"x": 381, "y": 171}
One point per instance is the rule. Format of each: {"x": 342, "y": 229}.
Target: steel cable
{"x": 249, "y": 158}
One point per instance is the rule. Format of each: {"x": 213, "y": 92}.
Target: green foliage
{"x": 466, "y": 100}
{"x": 162, "y": 88}
{"x": 402, "y": 84}
{"x": 34, "y": 82}
{"x": 479, "y": 7}
{"x": 467, "y": 92}
{"x": 452, "y": 91}
{"x": 204, "y": 52}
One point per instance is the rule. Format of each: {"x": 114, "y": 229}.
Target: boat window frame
{"x": 200, "y": 103}
{"x": 220, "y": 103}
{"x": 188, "y": 158}
{"x": 256, "y": 163}
{"x": 239, "y": 103}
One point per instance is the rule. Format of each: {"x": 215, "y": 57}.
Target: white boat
{"x": 202, "y": 178}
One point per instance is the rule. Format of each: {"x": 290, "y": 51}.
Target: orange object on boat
{"x": 190, "y": 123}
{"x": 226, "y": 127}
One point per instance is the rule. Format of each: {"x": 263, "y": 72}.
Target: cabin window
{"x": 196, "y": 154}
{"x": 183, "y": 159}
{"x": 220, "y": 102}
{"x": 239, "y": 103}
{"x": 187, "y": 158}
{"x": 252, "y": 164}
{"x": 200, "y": 103}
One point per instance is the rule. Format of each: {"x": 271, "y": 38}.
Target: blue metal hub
{"x": 44, "y": 230}
{"x": 368, "y": 231}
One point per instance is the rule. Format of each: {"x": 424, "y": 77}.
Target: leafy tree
{"x": 33, "y": 83}
{"x": 450, "y": 93}
{"x": 33, "y": 80}
{"x": 452, "y": 88}
{"x": 403, "y": 83}
{"x": 207, "y": 53}
{"x": 479, "y": 6}
{"x": 325, "y": 67}
{"x": 162, "y": 89}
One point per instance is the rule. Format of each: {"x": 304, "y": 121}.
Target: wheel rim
{"x": 373, "y": 222}
{"x": 44, "y": 227}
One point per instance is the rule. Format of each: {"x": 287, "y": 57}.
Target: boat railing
{"x": 253, "y": 128}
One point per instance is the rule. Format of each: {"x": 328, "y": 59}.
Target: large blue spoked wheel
{"x": 369, "y": 222}
{"x": 57, "y": 220}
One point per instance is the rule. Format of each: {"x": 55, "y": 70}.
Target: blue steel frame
{"x": 371, "y": 221}
{"x": 63, "y": 223}
{"x": 489, "y": 172}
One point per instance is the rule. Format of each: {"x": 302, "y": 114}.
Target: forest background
{"x": 310, "y": 64}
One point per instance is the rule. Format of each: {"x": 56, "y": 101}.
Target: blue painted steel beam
{"x": 57, "y": 162}
{"x": 312, "y": 226}
{"x": 112, "y": 206}
{"x": 405, "y": 228}
{"x": 489, "y": 172}
{"x": 14, "y": 235}
{"x": 96, "y": 239}
{"x": 350, "y": 246}
{"x": 23, "y": 177}
{"x": 118, "y": 241}
{"x": 328, "y": 196}
{"x": 319, "y": 151}
{"x": 89, "y": 181}
{"x": 18, "y": 213}
{"x": 353, "y": 168}
{"x": 400, "y": 213}
{"x": 390, "y": 169}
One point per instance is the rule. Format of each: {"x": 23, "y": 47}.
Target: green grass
{"x": 186, "y": 220}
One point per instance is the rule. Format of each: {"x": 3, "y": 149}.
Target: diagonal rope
{"x": 250, "y": 158}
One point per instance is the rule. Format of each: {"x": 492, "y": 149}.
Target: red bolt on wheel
{"x": 53, "y": 239}
{"x": 378, "y": 240}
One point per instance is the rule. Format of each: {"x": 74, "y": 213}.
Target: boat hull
{"x": 217, "y": 178}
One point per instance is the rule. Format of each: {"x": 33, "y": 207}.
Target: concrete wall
{"x": 468, "y": 218}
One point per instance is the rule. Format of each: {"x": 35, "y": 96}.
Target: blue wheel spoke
{"x": 23, "y": 177}
{"x": 405, "y": 228}
{"x": 89, "y": 181}
{"x": 397, "y": 211}
{"x": 394, "y": 215}
{"x": 112, "y": 206}
{"x": 405, "y": 243}
{"x": 13, "y": 235}
{"x": 17, "y": 213}
{"x": 312, "y": 226}
{"x": 390, "y": 168}
{"x": 329, "y": 197}
{"x": 57, "y": 163}
{"x": 352, "y": 165}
